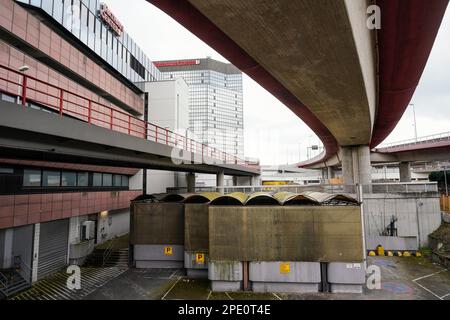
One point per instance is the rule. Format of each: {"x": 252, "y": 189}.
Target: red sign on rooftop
{"x": 110, "y": 19}
{"x": 176, "y": 63}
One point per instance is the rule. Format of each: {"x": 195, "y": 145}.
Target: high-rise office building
{"x": 215, "y": 102}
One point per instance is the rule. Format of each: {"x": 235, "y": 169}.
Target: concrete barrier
{"x": 346, "y": 277}
{"x": 158, "y": 256}
{"x": 225, "y": 275}
{"x": 287, "y": 277}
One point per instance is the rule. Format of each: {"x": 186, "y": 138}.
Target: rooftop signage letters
{"x": 176, "y": 63}
{"x": 110, "y": 19}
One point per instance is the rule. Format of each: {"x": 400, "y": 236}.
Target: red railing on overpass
{"x": 438, "y": 137}
{"x": 67, "y": 103}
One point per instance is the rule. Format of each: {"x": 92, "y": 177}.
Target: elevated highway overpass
{"x": 348, "y": 83}
{"x": 98, "y": 134}
{"x": 425, "y": 149}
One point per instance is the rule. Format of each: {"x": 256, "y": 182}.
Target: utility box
{"x": 88, "y": 230}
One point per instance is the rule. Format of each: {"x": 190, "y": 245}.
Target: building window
{"x": 31, "y": 178}
{"x": 107, "y": 180}
{"x": 117, "y": 180}
{"x": 68, "y": 179}
{"x": 51, "y": 178}
{"x": 82, "y": 179}
{"x": 125, "y": 180}
{"x": 4, "y": 170}
{"x": 97, "y": 180}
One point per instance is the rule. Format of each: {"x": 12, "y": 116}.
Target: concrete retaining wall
{"x": 298, "y": 277}
{"x": 418, "y": 214}
{"x": 155, "y": 256}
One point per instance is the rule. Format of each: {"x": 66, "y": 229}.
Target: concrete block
{"x": 299, "y": 272}
{"x": 225, "y": 271}
{"x": 154, "y": 256}
{"x": 190, "y": 261}
{"x": 392, "y": 243}
{"x": 157, "y": 252}
{"x": 346, "y": 273}
{"x": 346, "y": 288}
{"x": 226, "y": 286}
{"x": 197, "y": 273}
{"x": 285, "y": 287}
{"x": 158, "y": 264}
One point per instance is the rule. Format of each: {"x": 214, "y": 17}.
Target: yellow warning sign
{"x": 200, "y": 258}
{"x": 285, "y": 268}
{"x": 168, "y": 251}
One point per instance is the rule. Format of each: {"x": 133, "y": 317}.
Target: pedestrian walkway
{"x": 54, "y": 287}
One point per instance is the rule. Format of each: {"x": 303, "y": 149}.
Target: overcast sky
{"x": 272, "y": 132}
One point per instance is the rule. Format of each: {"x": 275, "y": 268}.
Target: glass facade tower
{"x": 82, "y": 18}
{"x": 215, "y": 101}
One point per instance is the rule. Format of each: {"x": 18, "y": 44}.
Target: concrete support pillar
{"x": 220, "y": 181}
{"x": 405, "y": 171}
{"x": 356, "y": 167}
{"x": 256, "y": 180}
{"x": 190, "y": 181}
{"x": 330, "y": 172}
{"x": 235, "y": 181}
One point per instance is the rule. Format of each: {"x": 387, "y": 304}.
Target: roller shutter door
{"x": 52, "y": 247}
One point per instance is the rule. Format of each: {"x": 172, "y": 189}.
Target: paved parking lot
{"x": 401, "y": 279}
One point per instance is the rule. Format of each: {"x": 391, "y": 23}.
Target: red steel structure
{"x": 68, "y": 103}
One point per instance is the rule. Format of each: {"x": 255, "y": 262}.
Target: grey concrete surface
{"x": 401, "y": 279}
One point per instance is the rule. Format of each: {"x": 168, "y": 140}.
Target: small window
{"x": 31, "y": 178}
{"x": 68, "y": 179}
{"x": 51, "y": 179}
{"x": 4, "y": 170}
{"x": 125, "y": 181}
{"x": 82, "y": 179}
{"x": 97, "y": 180}
{"x": 117, "y": 180}
{"x": 107, "y": 180}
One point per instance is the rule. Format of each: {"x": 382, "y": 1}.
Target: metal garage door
{"x": 52, "y": 247}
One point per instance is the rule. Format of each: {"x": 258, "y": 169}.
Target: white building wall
{"x": 34, "y": 268}
{"x": 113, "y": 224}
{"x": 168, "y": 108}
{"x": 418, "y": 216}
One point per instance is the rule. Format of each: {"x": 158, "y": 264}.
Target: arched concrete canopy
{"x": 231, "y": 199}
{"x": 203, "y": 197}
{"x": 261, "y": 199}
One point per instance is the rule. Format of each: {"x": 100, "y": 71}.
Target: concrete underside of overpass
{"x": 33, "y": 134}
{"x": 321, "y": 51}
{"x": 350, "y": 84}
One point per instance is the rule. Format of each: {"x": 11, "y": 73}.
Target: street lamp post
{"x": 415, "y": 122}
{"x": 22, "y": 69}
{"x": 445, "y": 181}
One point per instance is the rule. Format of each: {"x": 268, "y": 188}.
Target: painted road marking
{"x": 425, "y": 288}
{"x": 209, "y": 295}
{"x": 445, "y": 295}
{"x": 430, "y": 275}
{"x": 229, "y": 297}
{"x": 277, "y": 296}
{"x": 171, "y": 288}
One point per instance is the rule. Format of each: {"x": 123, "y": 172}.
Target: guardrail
{"x": 66, "y": 103}
{"x": 410, "y": 142}
{"x": 412, "y": 187}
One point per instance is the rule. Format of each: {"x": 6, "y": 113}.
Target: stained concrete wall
{"x": 285, "y": 233}
{"x": 418, "y": 214}
{"x": 115, "y": 224}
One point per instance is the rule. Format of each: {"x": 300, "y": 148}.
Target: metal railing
{"x": 108, "y": 251}
{"x": 400, "y": 187}
{"x": 24, "y": 270}
{"x": 410, "y": 142}
{"x": 4, "y": 283}
{"x": 66, "y": 103}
